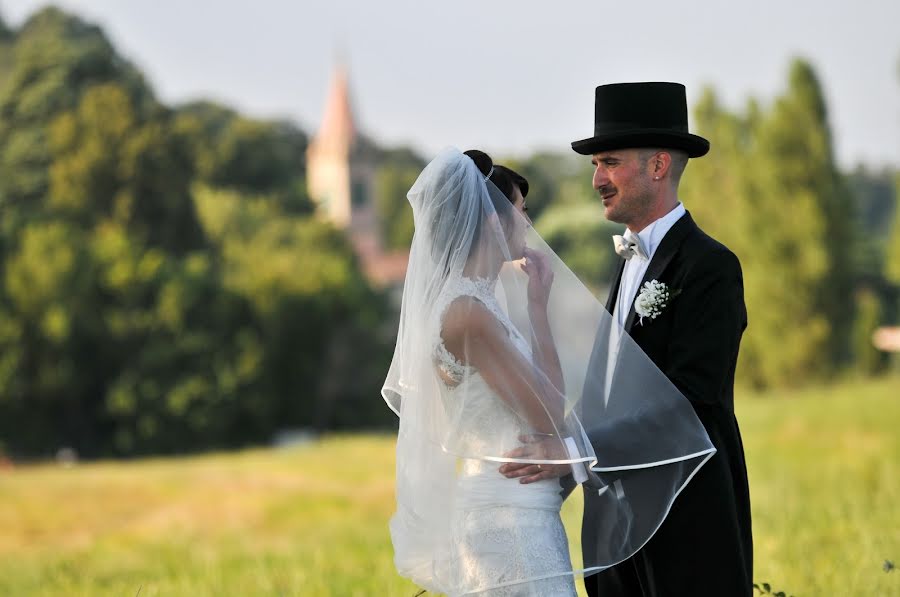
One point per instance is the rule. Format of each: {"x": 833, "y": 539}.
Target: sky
{"x": 507, "y": 76}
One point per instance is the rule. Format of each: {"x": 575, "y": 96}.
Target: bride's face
{"x": 515, "y": 230}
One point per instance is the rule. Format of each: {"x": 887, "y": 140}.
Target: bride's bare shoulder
{"x": 467, "y": 319}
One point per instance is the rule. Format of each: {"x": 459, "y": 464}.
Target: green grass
{"x": 312, "y": 520}
{"x": 824, "y": 469}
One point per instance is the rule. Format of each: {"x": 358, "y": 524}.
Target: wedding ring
{"x": 539, "y": 467}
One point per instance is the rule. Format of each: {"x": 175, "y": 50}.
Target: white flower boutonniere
{"x": 653, "y": 298}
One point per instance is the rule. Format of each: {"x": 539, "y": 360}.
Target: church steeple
{"x": 340, "y": 174}
{"x": 330, "y": 179}
{"x": 338, "y": 130}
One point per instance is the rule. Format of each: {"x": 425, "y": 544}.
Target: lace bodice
{"x": 482, "y": 425}
{"x": 481, "y": 289}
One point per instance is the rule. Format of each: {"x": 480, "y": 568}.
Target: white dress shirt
{"x": 635, "y": 268}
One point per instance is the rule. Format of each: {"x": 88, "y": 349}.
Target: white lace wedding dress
{"x": 509, "y": 538}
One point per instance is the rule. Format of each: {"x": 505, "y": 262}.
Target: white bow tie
{"x": 629, "y": 245}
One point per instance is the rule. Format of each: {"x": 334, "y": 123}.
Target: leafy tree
{"x": 318, "y": 320}
{"x": 188, "y": 375}
{"x": 869, "y": 316}
{"x": 397, "y": 171}
{"x": 162, "y": 288}
{"x": 771, "y": 190}
{"x": 716, "y": 188}
{"x": 6, "y": 59}
{"x": 56, "y": 58}
{"x": 809, "y": 238}
{"x": 5, "y": 31}
{"x": 582, "y": 237}
{"x": 874, "y": 194}
{"x": 892, "y": 271}
{"x": 110, "y": 162}
{"x": 52, "y": 364}
{"x": 250, "y": 156}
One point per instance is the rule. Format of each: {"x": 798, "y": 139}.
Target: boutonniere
{"x": 653, "y": 298}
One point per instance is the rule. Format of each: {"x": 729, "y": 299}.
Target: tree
{"x": 5, "y": 31}
{"x": 323, "y": 353}
{"x": 868, "y": 359}
{"x": 874, "y": 192}
{"x": 7, "y": 37}
{"x": 187, "y": 372}
{"x": 110, "y": 162}
{"x": 716, "y": 188}
{"x": 892, "y": 270}
{"x": 56, "y": 58}
{"x": 141, "y": 309}
{"x": 770, "y": 189}
{"x": 231, "y": 151}
{"x": 545, "y": 172}
{"x": 52, "y": 365}
{"x": 395, "y": 174}
{"x": 808, "y": 237}
{"x": 582, "y": 237}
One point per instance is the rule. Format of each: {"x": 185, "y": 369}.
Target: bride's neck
{"x": 479, "y": 268}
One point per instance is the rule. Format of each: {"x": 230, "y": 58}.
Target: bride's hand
{"x": 540, "y": 277}
{"x": 536, "y": 447}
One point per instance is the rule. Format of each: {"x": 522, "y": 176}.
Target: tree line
{"x": 820, "y": 248}
{"x": 165, "y": 285}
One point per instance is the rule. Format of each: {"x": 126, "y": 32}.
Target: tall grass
{"x": 312, "y": 520}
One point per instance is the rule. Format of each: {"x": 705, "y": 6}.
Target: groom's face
{"x": 622, "y": 180}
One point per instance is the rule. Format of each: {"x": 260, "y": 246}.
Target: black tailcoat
{"x": 704, "y": 547}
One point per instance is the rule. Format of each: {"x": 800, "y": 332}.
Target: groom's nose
{"x": 600, "y": 178}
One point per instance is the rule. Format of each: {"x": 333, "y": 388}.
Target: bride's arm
{"x": 540, "y": 280}
{"x": 475, "y": 337}
{"x": 544, "y": 347}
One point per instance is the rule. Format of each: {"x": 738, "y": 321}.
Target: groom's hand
{"x": 536, "y": 447}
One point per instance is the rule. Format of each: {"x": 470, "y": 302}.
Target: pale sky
{"x": 509, "y": 76}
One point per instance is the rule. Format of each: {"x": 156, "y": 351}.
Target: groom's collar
{"x": 652, "y": 235}
{"x": 660, "y": 258}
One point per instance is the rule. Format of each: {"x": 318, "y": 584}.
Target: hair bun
{"x": 482, "y": 160}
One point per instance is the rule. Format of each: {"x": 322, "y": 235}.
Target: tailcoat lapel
{"x": 661, "y": 258}
{"x": 614, "y": 291}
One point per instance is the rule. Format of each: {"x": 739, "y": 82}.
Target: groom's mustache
{"x": 606, "y": 190}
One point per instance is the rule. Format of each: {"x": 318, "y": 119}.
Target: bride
{"x": 496, "y": 343}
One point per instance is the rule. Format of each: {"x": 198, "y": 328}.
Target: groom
{"x": 640, "y": 148}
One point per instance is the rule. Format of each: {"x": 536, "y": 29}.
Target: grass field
{"x": 312, "y": 520}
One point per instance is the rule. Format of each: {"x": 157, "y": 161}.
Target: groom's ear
{"x": 660, "y": 164}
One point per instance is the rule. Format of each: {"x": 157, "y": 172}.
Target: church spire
{"x": 338, "y": 130}
{"x": 335, "y": 180}
{"x": 340, "y": 178}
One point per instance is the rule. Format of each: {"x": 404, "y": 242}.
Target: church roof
{"x": 338, "y": 129}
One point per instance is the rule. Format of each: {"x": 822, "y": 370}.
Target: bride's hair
{"x": 451, "y": 225}
{"x": 505, "y": 179}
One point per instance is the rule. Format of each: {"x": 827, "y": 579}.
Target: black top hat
{"x": 641, "y": 115}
